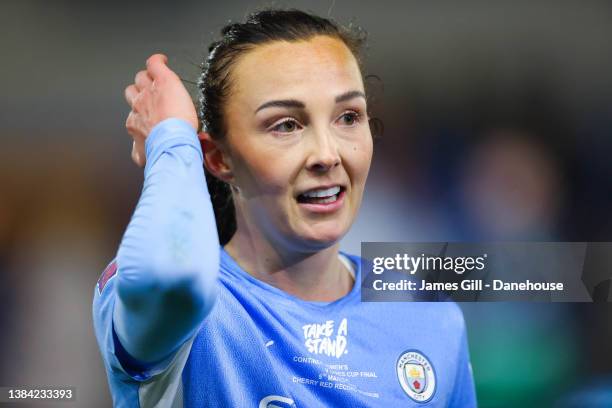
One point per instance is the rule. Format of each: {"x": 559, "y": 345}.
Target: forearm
{"x": 168, "y": 259}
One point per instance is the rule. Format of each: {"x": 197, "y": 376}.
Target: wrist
{"x": 168, "y": 133}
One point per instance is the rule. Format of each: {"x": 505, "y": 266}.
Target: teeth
{"x": 326, "y": 200}
{"x": 323, "y": 193}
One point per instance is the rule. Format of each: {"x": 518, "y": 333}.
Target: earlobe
{"x": 216, "y": 160}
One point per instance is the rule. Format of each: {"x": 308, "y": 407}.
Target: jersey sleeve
{"x": 150, "y": 301}
{"x": 117, "y": 361}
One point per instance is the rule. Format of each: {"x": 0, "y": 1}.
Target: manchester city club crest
{"x": 416, "y": 375}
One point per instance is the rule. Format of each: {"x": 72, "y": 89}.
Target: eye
{"x": 349, "y": 118}
{"x": 286, "y": 126}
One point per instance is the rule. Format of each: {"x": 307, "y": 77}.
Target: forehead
{"x": 289, "y": 69}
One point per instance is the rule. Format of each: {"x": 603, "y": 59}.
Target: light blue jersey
{"x": 236, "y": 341}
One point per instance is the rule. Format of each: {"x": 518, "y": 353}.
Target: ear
{"x": 216, "y": 159}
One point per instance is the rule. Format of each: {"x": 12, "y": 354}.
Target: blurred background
{"x": 498, "y": 121}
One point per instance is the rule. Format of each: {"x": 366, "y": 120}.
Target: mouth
{"x": 322, "y": 199}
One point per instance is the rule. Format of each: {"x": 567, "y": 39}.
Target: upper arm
{"x": 154, "y": 314}
{"x": 118, "y": 361}
{"x": 132, "y": 382}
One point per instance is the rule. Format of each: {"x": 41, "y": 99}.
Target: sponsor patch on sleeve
{"x": 108, "y": 273}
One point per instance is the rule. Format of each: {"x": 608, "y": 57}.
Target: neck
{"x": 313, "y": 276}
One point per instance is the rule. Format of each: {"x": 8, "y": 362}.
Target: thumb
{"x": 156, "y": 66}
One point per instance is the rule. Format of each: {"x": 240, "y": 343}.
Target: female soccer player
{"x": 267, "y": 312}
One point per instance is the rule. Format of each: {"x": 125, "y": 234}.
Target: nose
{"x": 324, "y": 154}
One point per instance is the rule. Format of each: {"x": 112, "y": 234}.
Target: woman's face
{"x": 298, "y": 128}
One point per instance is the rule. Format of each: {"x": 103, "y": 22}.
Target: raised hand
{"x": 156, "y": 94}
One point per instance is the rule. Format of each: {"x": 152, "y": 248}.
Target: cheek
{"x": 264, "y": 174}
{"x": 360, "y": 160}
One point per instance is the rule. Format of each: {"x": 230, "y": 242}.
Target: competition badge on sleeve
{"x": 108, "y": 273}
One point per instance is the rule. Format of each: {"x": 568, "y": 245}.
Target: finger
{"x": 130, "y": 94}
{"x": 143, "y": 80}
{"x": 134, "y": 126}
{"x": 156, "y": 66}
{"x": 130, "y": 123}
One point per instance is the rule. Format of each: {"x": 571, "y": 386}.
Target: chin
{"x": 324, "y": 237}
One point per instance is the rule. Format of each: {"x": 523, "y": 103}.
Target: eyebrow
{"x": 294, "y": 103}
{"x": 349, "y": 95}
